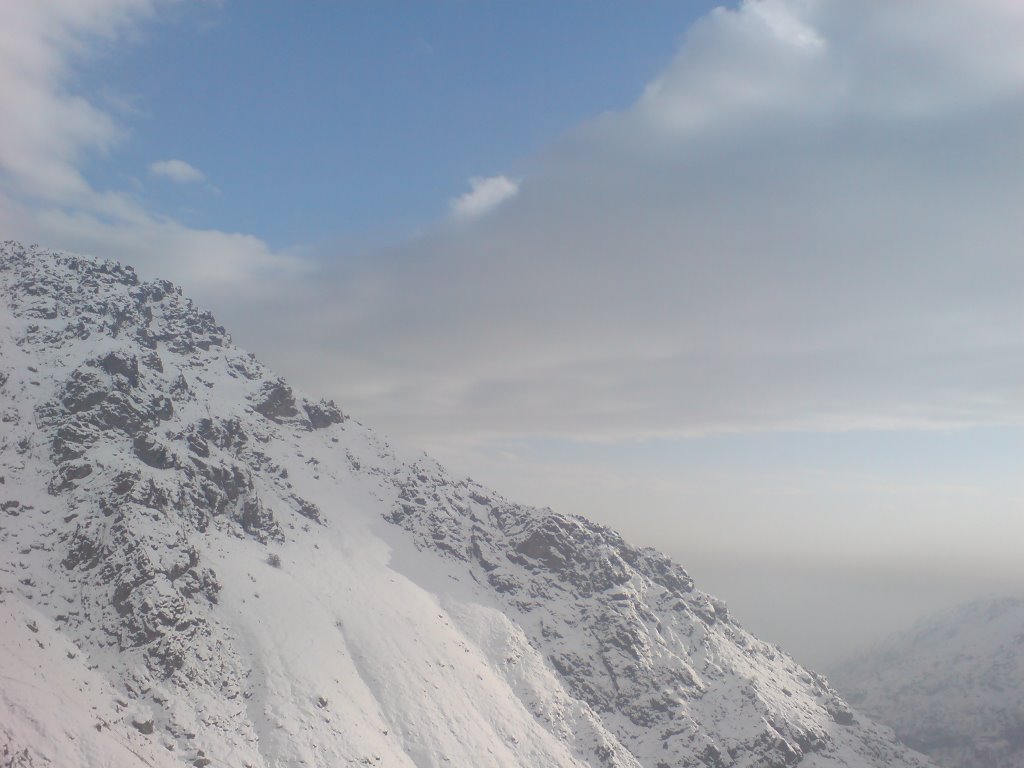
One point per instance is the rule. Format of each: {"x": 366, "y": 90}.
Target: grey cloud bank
{"x": 803, "y": 224}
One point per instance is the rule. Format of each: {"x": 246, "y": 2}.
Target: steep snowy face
{"x": 953, "y": 686}
{"x": 199, "y": 566}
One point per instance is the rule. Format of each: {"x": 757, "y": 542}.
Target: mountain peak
{"x": 208, "y": 568}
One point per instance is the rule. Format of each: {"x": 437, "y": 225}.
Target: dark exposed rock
{"x": 307, "y": 509}
{"x": 84, "y": 550}
{"x": 503, "y": 582}
{"x": 258, "y": 521}
{"x": 119, "y": 412}
{"x": 123, "y": 365}
{"x": 153, "y": 362}
{"x": 226, "y": 434}
{"x": 13, "y": 507}
{"x": 161, "y": 407}
{"x": 144, "y": 727}
{"x": 277, "y": 402}
{"x": 152, "y": 452}
{"x": 578, "y": 554}
{"x": 198, "y": 446}
{"x": 66, "y": 476}
{"x": 323, "y": 414}
{"x": 179, "y": 389}
{"x": 73, "y": 439}
{"x": 839, "y": 712}
{"x": 84, "y": 390}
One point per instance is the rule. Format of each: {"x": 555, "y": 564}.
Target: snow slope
{"x": 199, "y": 566}
{"x": 953, "y": 686}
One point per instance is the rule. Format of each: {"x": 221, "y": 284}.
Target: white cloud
{"x": 47, "y": 130}
{"x": 485, "y": 194}
{"x": 176, "y": 170}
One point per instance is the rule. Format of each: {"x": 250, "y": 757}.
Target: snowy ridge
{"x": 202, "y": 567}
{"x": 952, "y": 686}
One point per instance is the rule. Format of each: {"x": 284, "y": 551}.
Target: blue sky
{"x": 743, "y": 283}
{"x": 361, "y": 120}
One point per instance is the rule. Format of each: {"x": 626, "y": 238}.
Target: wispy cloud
{"x": 176, "y": 170}
{"x": 48, "y": 131}
{"x": 484, "y": 195}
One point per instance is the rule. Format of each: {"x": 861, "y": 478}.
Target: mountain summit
{"x": 201, "y": 567}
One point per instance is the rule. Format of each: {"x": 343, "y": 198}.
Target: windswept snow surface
{"x": 952, "y": 686}
{"x": 201, "y": 567}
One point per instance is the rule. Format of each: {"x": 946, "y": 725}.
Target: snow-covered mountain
{"x": 201, "y": 567}
{"x": 952, "y": 686}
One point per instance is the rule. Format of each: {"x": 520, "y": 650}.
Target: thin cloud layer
{"x": 808, "y": 221}
{"x": 485, "y": 194}
{"x": 176, "y": 170}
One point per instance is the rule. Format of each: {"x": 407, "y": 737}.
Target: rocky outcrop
{"x": 323, "y": 414}
{"x": 143, "y": 481}
{"x": 626, "y": 632}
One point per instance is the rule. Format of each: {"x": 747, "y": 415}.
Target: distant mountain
{"x": 201, "y": 567}
{"x": 952, "y": 687}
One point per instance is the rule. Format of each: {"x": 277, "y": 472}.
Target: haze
{"x": 744, "y": 283}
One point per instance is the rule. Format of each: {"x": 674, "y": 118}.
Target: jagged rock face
{"x": 627, "y": 633}
{"x": 206, "y": 566}
{"x": 952, "y": 687}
